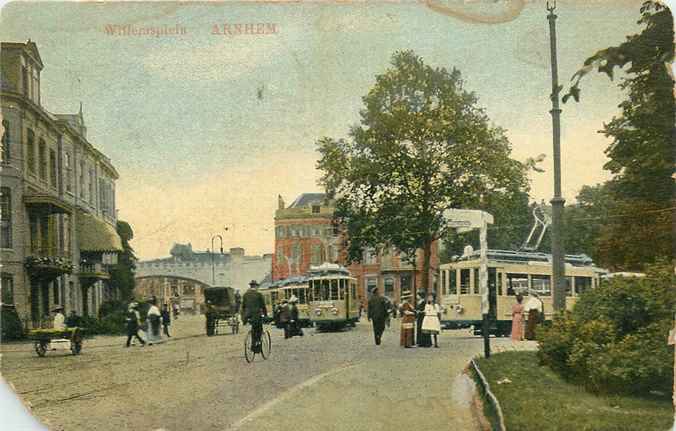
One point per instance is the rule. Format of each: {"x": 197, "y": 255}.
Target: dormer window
{"x": 316, "y": 209}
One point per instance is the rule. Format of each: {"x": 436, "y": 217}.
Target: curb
{"x": 492, "y": 400}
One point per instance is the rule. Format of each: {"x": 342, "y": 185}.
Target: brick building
{"x": 305, "y": 235}
{"x": 57, "y": 219}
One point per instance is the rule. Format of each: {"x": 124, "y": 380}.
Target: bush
{"x": 614, "y": 340}
{"x": 112, "y": 324}
{"x": 12, "y": 329}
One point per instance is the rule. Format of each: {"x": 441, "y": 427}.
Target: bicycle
{"x": 264, "y": 348}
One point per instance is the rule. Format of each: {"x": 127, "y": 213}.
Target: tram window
{"x": 475, "y": 287}
{"x": 341, "y": 288}
{"x": 516, "y": 283}
{"x": 493, "y": 279}
{"x": 542, "y": 284}
{"x": 353, "y": 291}
{"x": 582, "y": 284}
{"x": 569, "y": 286}
{"x": 334, "y": 290}
{"x": 443, "y": 282}
{"x": 453, "y": 286}
{"x": 464, "y": 281}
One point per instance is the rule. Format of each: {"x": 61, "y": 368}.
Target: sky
{"x": 207, "y": 129}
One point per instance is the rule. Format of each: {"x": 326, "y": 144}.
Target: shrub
{"x": 614, "y": 340}
{"x": 12, "y": 329}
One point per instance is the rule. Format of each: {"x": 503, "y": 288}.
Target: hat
{"x": 253, "y": 283}
{"x": 57, "y": 308}
{"x": 293, "y": 299}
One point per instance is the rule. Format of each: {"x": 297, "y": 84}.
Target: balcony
{"x": 48, "y": 263}
{"x": 93, "y": 271}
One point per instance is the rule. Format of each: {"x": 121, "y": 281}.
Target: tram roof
{"x": 525, "y": 256}
{"x": 327, "y": 269}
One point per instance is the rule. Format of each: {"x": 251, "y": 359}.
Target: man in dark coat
{"x": 377, "y": 313}
{"x": 253, "y": 310}
{"x": 420, "y": 315}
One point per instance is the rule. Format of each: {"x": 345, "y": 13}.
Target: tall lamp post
{"x": 213, "y": 270}
{"x": 558, "y": 264}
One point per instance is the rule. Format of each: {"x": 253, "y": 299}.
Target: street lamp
{"x": 558, "y": 264}
{"x": 213, "y": 270}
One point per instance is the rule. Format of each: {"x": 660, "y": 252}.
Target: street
{"x": 329, "y": 380}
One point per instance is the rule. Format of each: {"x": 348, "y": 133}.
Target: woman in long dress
{"x": 431, "y": 325}
{"x": 407, "y": 323}
{"x": 154, "y": 323}
{"x": 517, "y": 319}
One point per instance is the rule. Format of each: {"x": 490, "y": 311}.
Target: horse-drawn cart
{"x": 221, "y": 310}
{"x": 45, "y": 340}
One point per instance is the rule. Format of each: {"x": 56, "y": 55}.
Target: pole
{"x": 483, "y": 285}
{"x": 558, "y": 264}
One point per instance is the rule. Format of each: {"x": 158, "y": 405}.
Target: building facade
{"x": 185, "y": 292}
{"x": 306, "y": 235}
{"x": 58, "y": 215}
{"x": 232, "y": 269}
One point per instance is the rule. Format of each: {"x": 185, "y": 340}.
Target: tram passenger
{"x": 253, "y": 311}
{"x": 377, "y": 313}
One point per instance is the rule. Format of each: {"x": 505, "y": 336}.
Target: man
{"x": 133, "y": 318}
{"x": 73, "y": 319}
{"x": 294, "y": 323}
{"x": 238, "y": 300}
{"x": 253, "y": 310}
{"x": 377, "y": 313}
{"x": 420, "y": 315}
{"x": 283, "y": 317}
{"x": 166, "y": 319}
{"x": 59, "y": 319}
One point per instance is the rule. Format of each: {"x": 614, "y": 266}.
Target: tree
{"x": 641, "y": 152}
{"x": 122, "y": 274}
{"x": 423, "y": 146}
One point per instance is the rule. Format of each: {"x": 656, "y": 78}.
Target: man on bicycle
{"x": 253, "y": 311}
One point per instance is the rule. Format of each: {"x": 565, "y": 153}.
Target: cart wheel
{"x": 40, "y": 348}
{"x": 76, "y": 347}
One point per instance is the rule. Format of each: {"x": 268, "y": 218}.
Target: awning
{"x": 46, "y": 203}
{"x": 95, "y": 235}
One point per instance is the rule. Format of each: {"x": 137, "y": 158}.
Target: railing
{"x": 93, "y": 269}
{"x": 48, "y": 261}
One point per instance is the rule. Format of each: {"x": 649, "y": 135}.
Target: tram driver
{"x": 253, "y": 311}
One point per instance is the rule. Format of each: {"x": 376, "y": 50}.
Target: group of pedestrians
{"x": 157, "y": 321}
{"x": 286, "y": 317}
{"x": 421, "y": 324}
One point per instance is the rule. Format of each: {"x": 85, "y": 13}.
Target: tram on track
{"x": 333, "y": 296}
{"x": 298, "y": 287}
{"x": 509, "y": 273}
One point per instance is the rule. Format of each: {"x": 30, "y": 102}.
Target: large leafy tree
{"x": 423, "y": 146}
{"x": 638, "y": 227}
{"x": 122, "y": 274}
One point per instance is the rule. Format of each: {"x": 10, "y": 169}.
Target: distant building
{"x": 58, "y": 217}
{"x": 186, "y": 292}
{"x": 232, "y": 269}
{"x": 306, "y": 235}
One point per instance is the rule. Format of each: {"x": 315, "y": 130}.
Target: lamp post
{"x": 558, "y": 264}
{"x": 213, "y": 270}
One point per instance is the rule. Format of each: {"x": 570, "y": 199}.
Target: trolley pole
{"x": 558, "y": 263}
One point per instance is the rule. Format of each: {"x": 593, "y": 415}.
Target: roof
{"x": 95, "y": 235}
{"x": 307, "y": 199}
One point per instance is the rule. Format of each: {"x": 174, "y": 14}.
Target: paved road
{"x": 327, "y": 381}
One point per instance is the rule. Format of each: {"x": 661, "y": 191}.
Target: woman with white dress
{"x": 431, "y": 322}
{"x": 154, "y": 323}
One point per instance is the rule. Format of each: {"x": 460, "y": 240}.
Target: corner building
{"x": 305, "y": 235}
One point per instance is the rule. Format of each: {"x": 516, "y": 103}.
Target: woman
{"x": 517, "y": 319}
{"x": 407, "y": 322}
{"x": 431, "y": 325}
{"x": 535, "y": 309}
{"x": 154, "y": 323}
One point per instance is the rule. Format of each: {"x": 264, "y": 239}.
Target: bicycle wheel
{"x": 249, "y": 353}
{"x": 266, "y": 344}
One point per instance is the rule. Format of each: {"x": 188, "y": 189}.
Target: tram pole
{"x": 483, "y": 283}
{"x": 558, "y": 263}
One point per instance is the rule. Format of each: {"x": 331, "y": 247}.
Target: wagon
{"x": 220, "y": 310}
{"x": 45, "y": 340}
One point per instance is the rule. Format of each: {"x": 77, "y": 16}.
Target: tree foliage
{"x": 423, "y": 146}
{"x": 641, "y": 156}
{"x": 122, "y": 274}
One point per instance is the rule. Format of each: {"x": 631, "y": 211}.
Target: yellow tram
{"x": 509, "y": 273}
{"x": 333, "y": 296}
{"x": 270, "y": 292}
{"x": 298, "y": 287}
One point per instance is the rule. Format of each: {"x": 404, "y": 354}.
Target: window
{"x": 280, "y": 254}
{"x": 389, "y": 287}
{"x": 569, "y": 286}
{"x": 280, "y": 231}
{"x": 55, "y": 291}
{"x": 405, "y": 286}
{"x": 316, "y": 257}
{"x": 4, "y": 154}
{"x": 582, "y": 284}
{"x": 315, "y": 209}
{"x": 444, "y": 291}
{"x": 464, "y": 281}
{"x": 5, "y": 217}
{"x": 334, "y": 290}
{"x": 517, "y": 283}
{"x": 68, "y": 234}
{"x": 52, "y": 168}
{"x": 452, "y": 282}
{"x": 30, "y": 151}
{"x": 42, "y": 159}
{"x": 541, "y": 284}
{"x": 476, "y": 286}
{"x": 24, "y": 80}
{"x": 494, "y": 281}
{"x": 301, "y": 296}
{"x": 92, "y": 184}
{"x": 69, "y": 173}
{"x": 82, "y": 179}
{"x": 370, "y": 256}
{"x": 7, "y": 288}
{"x": 371, "y": 283}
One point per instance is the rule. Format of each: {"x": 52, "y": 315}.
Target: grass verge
{"x": 539, "y": 399}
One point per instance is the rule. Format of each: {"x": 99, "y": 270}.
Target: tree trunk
{"x": 427, "y": 258}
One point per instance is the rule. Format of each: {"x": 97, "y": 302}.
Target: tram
{"x": 333, "y": 296}
{"x": 298, "y": 287}
{"x": 270, "y": 292}
{"x": 509, "y": 273}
